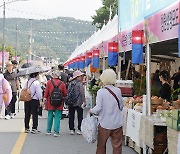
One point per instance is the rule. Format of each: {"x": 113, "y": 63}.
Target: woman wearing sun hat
{"x": 109, "y": 105}
{"x": 77, "y": 80}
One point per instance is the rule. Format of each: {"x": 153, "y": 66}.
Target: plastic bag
{"x": 89, "y": 128}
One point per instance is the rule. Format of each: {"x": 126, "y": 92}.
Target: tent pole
{"x": 119, "y": 67}
{"x": 148, "y": 79}
{"x": 104, "y": 60}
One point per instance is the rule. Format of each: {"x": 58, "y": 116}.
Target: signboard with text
{"x": 132, "y": 12}
{"x": 163, "y": 25}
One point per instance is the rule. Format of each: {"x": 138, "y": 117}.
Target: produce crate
{"x": 169, "y": 122}
{"x": 176, "y": 104}
{"x": 156, "y": 101}
{"x": 176, "y": 114}
{"x": 176, "y": 124}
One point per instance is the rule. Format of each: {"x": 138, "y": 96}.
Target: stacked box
{"x": 169, "y": 122}
{"x": 172, "y": 136}
{"x": 176, "y": 114}
{"x": 175, "y": 120}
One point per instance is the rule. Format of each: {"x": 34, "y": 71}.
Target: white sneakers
{"x": 56, "y": 134}
{"x": 7, "y": 117}
{"x": 72, "y": 132}
{"x": 48, "y": 133}
{"x": 79, "y": 132}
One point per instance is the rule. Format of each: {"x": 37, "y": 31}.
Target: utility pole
{"x": 30, "y": 44}
{"x": 16, "y": 41}
{"x": 3, "y": 44}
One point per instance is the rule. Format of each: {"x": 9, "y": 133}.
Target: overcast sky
{"x": 36, "y": 9}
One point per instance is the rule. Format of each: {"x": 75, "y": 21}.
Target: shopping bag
{"x": 5, "y": 97}
{"x": 89, "y": 128}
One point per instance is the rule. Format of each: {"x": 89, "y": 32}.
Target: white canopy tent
{"x": 107, "y": 32}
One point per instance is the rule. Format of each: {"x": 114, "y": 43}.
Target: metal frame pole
{"x": 148, "y": 79}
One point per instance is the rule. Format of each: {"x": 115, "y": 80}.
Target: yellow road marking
{"x": 20, "y": 142}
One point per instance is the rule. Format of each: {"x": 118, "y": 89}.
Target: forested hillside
{"x": 56, "y": 37}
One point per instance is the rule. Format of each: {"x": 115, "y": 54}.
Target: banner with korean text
{"x": 132, "y": 12}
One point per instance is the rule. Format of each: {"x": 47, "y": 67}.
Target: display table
{"x": 153, "y": 133}
{"x": 133, "y": 126}
{"x": 173, "y": 141}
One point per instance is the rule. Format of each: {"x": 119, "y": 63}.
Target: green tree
{"x": 103, "y": 13}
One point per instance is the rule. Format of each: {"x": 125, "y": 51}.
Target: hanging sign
{"x": 82, "y": 62}
{"x": 112, "y": 53}
{"x": 95, "y": 59}
{"x": 137, "y": 46}
{"x": 88, "y": 58}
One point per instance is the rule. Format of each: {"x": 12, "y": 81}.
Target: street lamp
{"x": 3, "y": 42}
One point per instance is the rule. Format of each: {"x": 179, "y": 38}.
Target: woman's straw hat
{"x": 76, "y": 74}
{"x": 108, "y": 77}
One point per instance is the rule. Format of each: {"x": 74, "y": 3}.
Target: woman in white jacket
{"x": 108, "y": 107}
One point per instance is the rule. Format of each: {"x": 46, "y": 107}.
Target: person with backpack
{"x": 31, "y": 105}
{"x": 75, "y": 100}
{"x": 54, "y": 101}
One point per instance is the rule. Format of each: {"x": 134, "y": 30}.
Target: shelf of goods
{"x": 153, "y": 132}
{"x": 173, "y": 137}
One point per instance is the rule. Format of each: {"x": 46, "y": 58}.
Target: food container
{"x": 176, "y": 104}
{"x": 156, "y": 101}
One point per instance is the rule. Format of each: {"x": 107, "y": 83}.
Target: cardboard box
{"x": 176, "y": 114}
{"x": 176, "y": 124}
{"x": 169, "y": 122}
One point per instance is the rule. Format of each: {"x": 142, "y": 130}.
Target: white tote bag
{"x": 89, "y": 128}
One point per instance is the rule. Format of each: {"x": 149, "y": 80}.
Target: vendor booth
{"x": 148, "y": 39}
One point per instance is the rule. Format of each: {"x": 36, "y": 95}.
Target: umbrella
{"x": 26, "y": 65}
{"x": 46, "y": 69}
{"x": 30, "y": 70}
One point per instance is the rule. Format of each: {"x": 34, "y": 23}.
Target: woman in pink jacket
{"x": 5, "y": 89}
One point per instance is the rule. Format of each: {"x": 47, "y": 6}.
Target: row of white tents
{"x": 107, "y": 33}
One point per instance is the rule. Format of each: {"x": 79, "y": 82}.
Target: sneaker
{"x": 56, "y": 134}
{"x": 72, "y": 132}
{"x": 35, "y": 131}
{"x": 7, "y": 117}
{"x": 48, "y": 133}
{"x": 79, "y": 132}
{"x": 27, "y": 130}
{"x": 12, "y": 116}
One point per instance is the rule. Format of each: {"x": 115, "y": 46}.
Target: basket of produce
{"x": 176, "y": 104}
{"x": 156, "y": 101}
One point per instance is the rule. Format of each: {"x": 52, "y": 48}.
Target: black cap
{"x": 14, "y": 62}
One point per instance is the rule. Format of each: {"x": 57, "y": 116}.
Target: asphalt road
{"x": 13, "y": 140}
{"x": 10, "y": 142}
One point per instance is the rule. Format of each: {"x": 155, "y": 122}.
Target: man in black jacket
{"x": 64, "y": 76}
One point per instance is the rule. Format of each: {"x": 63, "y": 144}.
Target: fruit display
{"x": 156, "y": 100}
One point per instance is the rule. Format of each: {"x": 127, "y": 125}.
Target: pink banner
{"x": 126, "y": 37}
{"x": 163, "y": 25}
{"x": 6, "y": 57}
